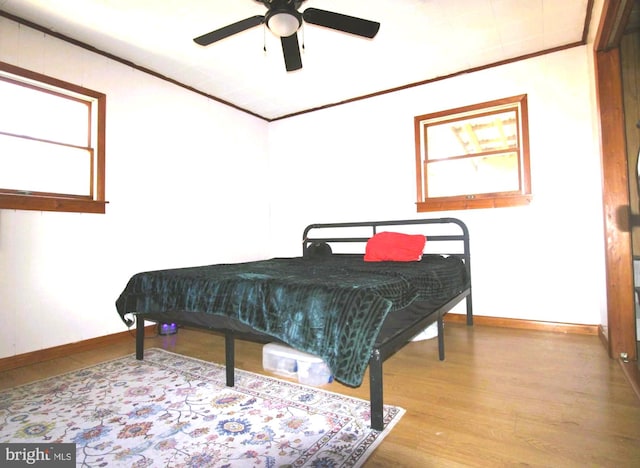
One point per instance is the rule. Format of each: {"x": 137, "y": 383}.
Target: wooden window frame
{"x": 522, "y": 196}
{"x": 43, "y": 201}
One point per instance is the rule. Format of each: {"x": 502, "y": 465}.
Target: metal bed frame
{"x": 390, "y": 346}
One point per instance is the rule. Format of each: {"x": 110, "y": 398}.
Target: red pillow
{"x": 394, "y": 247}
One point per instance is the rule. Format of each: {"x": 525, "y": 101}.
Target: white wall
{"x": 183, "y": 181}
{"x": 544, "y": 261}
{"x": 186, "y": 186}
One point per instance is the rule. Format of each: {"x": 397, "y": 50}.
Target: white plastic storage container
{"x": 289, "y": 362}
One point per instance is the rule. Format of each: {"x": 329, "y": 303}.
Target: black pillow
{"x": 317, "y": 250}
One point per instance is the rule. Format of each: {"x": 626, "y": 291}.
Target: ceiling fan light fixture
{"x": 283, "y": 22}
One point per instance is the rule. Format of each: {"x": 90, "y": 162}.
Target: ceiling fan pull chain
{"x": 264, "y": 38}
{"x": 302, "y": 32}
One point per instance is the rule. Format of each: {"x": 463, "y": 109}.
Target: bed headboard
{"x": 451, "y": 232}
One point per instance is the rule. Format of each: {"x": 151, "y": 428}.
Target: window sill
{"x": 472, "y": 203}
{"x": 44, "y": 203}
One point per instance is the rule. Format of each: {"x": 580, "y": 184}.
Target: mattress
{"x": 336, "y": 307}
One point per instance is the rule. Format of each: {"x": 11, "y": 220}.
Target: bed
{"x": 352, "y": 309}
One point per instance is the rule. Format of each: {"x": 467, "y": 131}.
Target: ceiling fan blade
{"x": 291, "y": 51}
{"x": 229, "y": 30}
{"x": 345, "y": 23}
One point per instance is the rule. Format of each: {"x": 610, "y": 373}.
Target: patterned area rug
{"x": 171, "y": 410}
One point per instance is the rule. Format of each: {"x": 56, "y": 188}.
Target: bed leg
{"x": 139, "y": 338}
{"x": 229, "y": 352}
{"x": 375, "y": 390}
{"x": 441, "y": 338}
{"x": 469, "y": 310}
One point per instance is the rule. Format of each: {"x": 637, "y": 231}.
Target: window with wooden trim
{"x": 473, "y": 157}
{"x": 52, "y": 144}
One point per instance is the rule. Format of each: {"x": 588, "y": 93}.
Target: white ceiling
{"x": 419, "y": 40}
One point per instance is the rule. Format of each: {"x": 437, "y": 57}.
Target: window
{"x": 52, "y": 144}
{"x": 473, "y": 157}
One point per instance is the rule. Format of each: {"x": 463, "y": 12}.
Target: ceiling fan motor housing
{"x": 292, "y": 4}
{"x": 283, "y": 17}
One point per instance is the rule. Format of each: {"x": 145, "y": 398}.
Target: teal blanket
{"x": 331, "y": 307}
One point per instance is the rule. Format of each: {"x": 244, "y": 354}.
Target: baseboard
{"x": 632, "y": 373}
{"x": 41, "y": 355}
{"x": 93, "y": 343}
{"x": 604, "y": 338}
{"x": 501, "y": 322}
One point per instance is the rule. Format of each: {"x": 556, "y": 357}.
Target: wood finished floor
{"x": 502, "y": 397}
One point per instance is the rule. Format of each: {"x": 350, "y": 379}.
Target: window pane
{"x": 472, "y": 135}
{"x": 40, "y": 114}
{"x": 33, "y": 166}
{"x": 475, "y": 175}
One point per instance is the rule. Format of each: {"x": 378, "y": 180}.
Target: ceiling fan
{"x": 284, "y": 20}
